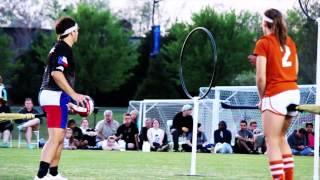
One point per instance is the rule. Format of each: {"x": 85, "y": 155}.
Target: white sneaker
{"x": 44, "y": 178}
{"x": 57, "y": 177}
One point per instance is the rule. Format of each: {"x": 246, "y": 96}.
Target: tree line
{"x": 114, "y": 68}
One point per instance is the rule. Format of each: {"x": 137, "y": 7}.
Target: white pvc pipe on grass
{"x": 195, "y": 115}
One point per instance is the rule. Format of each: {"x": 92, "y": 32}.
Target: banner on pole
{"x": 155, "y": 40}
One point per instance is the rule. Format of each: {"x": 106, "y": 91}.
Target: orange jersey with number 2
{"x": 281, "y": 72}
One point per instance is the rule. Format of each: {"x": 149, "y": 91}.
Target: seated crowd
{"x": 110, "y": 135}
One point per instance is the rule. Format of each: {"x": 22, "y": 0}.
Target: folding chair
{"x": 36, "y": 141}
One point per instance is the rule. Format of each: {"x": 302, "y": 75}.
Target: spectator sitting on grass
{"x": 106, "y": 127}
{"x": 258, "y": 137}
{"x": 69, "y": 142}
{"x": 89, "y": 134}
{"x": 222, "y": 139}
{"x": 155, "y": 136}
{"x": 143, "y": 132}
{"x": 181, "y": 125}
{"x": 110, "y": 144}
{"x": 244, "y": 139}
{"x": 310, "y": 135}
{"x": 28, "y": 125}
{"x": 77, "y": 135}
{"x": 129, "y": 133}
{"x": 84, "y": 125}
{"x": 298, "y": 143}
{"x": 201, "y": 141}
{"x": 6, "y": 127}
{"x": 134, "y": 116}
{"x": 3, "y": 91}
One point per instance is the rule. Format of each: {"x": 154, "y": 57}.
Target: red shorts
{"x": 54, "y": 104}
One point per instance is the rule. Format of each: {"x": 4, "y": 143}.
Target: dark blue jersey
{"x": 24, "y": 110}
{"x": 60, "y": 59}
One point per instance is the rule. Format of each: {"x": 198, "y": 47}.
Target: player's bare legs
{"x": 56, "y": 159}
{"x": 50, "y": 149}
{"x": 286, "y": 151}
{"x": 53, "y": 170}
{"x": 284, "y": 146}
{"x": 273, "y": 129}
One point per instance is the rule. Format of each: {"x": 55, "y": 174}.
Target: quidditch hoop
{"x": 305, "y": 5}
{"x": 214, "y": 60}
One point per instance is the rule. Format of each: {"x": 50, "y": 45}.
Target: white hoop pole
{"x": 317, "y": 119}
{"x": 195, "y": 115}
{"x": 140, "y": 120}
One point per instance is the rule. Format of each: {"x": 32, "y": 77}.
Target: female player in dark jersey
{"x": 56, "y": 91}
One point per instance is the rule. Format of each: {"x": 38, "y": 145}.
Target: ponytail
{"x": 278, "y": 25}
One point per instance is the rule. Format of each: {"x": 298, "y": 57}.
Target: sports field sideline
{"x": 16, "y": 164}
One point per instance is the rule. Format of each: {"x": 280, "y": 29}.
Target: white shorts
{"x": 54, "y": 104}
{"x": 279, "y": 102}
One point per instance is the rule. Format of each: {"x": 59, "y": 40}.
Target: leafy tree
{"x": 104, "y": 54}
{"x": 139, "y": 14}
{"x": 29, "y": 67}
{"x": 99, "y": 4}
{"x": 304, "y": 32}
{"x": 104, "y": 51}
{"x": 153, "y": 72}
{"x": 234, "y": 36}
{"x": 5, "y": 55}
{"x": 157, "y": 84}
{"x": 17, "y": 14}
{"x": 27, "y": 78}
{"x": 246, "y": 78}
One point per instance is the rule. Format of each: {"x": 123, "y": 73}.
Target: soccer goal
{"x": 166, "y": 109}
{"x": 248, "y": 96}
{"x": 211, "y": 112}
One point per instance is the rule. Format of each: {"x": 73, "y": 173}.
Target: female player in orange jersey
{"x": 276, "y": 78}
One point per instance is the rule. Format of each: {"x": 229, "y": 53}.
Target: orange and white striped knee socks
{"x": 288, "y": 167}
{"x": 276, "y": 169}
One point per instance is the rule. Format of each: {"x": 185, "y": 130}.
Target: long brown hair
{"x": 278, "y": 25}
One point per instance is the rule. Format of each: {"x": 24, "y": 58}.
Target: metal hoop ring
{"x": 305, "y": 10}
{"x": 214, "y": 60}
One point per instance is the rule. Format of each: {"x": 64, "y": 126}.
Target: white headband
{"x": 73, "y": 28}
{"x": 266, "y": 18}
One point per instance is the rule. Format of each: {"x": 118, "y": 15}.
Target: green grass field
{"x": 89, "y": 165}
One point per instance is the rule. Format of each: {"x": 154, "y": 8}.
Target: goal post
{"x": 248, "y": 96}
{"x": 165, "y": 109}
{"x": 211, "y": 112}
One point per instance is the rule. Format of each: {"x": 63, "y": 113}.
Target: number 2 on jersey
{"x": 285, "y": 59}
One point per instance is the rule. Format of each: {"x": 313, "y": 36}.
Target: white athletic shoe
{"x": 44, "y": 178}
{"x": 57, "y": 177}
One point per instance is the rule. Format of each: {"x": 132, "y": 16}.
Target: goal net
{"x": 211, "y": 112}
{"x": 165, "y": 109}
{"x": 248, "y": 96}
